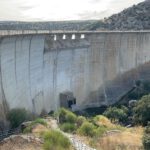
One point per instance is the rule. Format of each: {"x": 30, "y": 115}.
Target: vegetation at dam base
{"x": 110, "y": 128}
{"x": 55, "y": 140}
{"x": 146, "y": 138}
{"x": 104, "y": 131}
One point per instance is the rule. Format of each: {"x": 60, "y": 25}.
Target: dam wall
{"x": 98, "y": 68}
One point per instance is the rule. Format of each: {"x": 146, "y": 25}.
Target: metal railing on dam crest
{"x": 24, "y": 32}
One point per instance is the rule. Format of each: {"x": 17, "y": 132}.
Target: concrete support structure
{"x": 97, "y": 67}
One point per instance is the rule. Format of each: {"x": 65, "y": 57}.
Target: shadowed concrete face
{"x": 98, "y": 69}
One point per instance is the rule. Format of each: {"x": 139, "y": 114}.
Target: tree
{"x": 141, "y": 112}
{"x": 116, "y": 114}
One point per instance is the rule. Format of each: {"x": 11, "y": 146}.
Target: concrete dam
{"x": 96, "y": 68}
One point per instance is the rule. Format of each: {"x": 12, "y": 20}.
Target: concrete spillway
{"x": 98, "y": 68}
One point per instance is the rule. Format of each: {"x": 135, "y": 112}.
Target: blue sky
{"x": 53, "y": 10}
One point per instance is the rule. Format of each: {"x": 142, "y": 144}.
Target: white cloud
{"x": 60, "y": 9}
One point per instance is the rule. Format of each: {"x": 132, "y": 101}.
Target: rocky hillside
{"x": 136, "y": 17}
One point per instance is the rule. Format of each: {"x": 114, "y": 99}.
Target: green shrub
{"x": 116, "y": 114}
{"x": 55, "y": 140}
{"x": 101, "y": 120}
{"x": 146, "y": 138}
{"x": 17, "y": 116}
{"x": 146, "y": 142}
{"x": 68, "y": 127}
{"x": 80, "y": 120}
{"x": 62, "y": 115}
{"x": 39, "y": 121}
{"x": 87, "y": 129}
{"x": 101, "y": 130}
{"x": 142, "y": 110}
{"x": 27, "y": 130}
{"x": 66, "y": 116}
{"x": 70, "y": 117}
{"x": 125, "y": 109}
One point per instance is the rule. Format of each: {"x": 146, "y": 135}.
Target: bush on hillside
{"x": 116, "y": 114}
{"x": 125, "y": 109}
{"x": 142, "y": 111}
{"x": 146, "y": 138}
{"x": 80, "y": 120}
{"x": 39, "y": 121}
{"x": 29, "y": 128}
{"x": 68, "y": 127}
{"x": 66, "y": 116}
{"x": 101, "y": 120}
{"x": 87, "y": 129}
{"x": 100, "y": 131}
{"x": 17, "y": 116}
{"x": 55, "y": 140}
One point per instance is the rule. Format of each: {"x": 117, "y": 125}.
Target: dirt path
{"x": 77, "y": 143}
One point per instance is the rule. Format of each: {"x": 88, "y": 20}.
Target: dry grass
{"x": 20, "y": 143}
{"x": 101, "y": 120}
{"x": 130, "y": 139}
{"x": 37, "y": 129}
{"x": 104, "y": 121}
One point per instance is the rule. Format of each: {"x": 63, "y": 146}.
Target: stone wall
{"x": 98, "y": 68}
